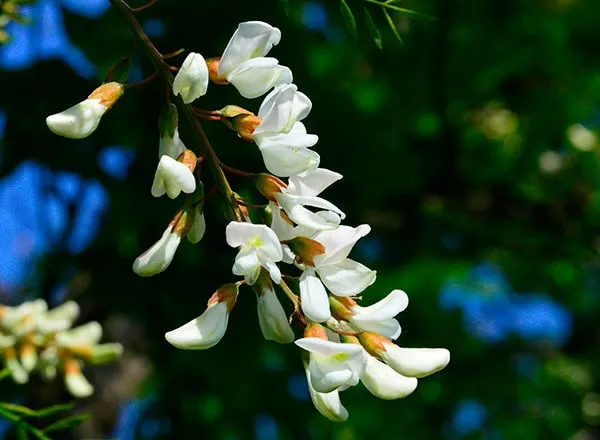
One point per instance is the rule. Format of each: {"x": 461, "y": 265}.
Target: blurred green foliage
{"x": 467, "y": 131}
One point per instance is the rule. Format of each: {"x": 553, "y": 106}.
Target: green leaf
{"x": 373, "y": 29}
{"x": 67, "y": 423}
{"x": 18, "y": 409}
{"x": 392, "y": 25}
{"x": 61, "y": 407}
{"x": 349, "y": 19}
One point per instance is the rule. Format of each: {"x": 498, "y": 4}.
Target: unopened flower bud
{"x": 269, "y": 185}
{"x": 75, "y": 381}
{"x": 231, "y": 111}
{"x": 18, "y": 373}
{"x": 314, "y": 330}
{"x": 168, "y": 121}
{"x": 86, "y": 334}
{"x": 28, "y": 356}
{"x": 209, "y": 328}
{"x": 305, "y": 249}
{"x": 245, "y": 125}
{"x": 271, "y": 316}
{"x": 198, "y": 226}
{"x": 82, "y": 119}
{"x": 339, "y": 309}
{"x": 191, "y": 80}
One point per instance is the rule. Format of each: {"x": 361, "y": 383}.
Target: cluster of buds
{"x": 33, "y": 338}
{"x": 344, "y": 343}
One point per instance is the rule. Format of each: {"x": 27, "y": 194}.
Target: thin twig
{"x": 144, "y": 81}
{"x": 173, "y": 54}
{"x": 142, "y": 8}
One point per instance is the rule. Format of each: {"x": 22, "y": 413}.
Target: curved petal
{"x": 191, "y": 80}
{"x": 257, "y": 76}
{"x": 390, "y": 328}
{"x": 270, "y": 248}
{"x": 347, "y": 277}
{"x": 328, "y": 404}
{"x": 159, "y": 256}
{"x": 395, "y": 302}
{"x": 313, "y": 297}
{"x": 203, "y": 332}
{"x": 383, "y": 382}
{"x": 172, "y": 177}
{"x": 247, "y": 264}
{"x": 339, "y": 242}
{"x": 281, "y": 109}
{"x": 171, "y": 146}
{"x": 285, "y": 161}
{"x": 240, "y": 233}
{"x": 304, "y": 217}
{"x": 272, "y": 318}
{"x": 251, "y": 39}
{"x": 415, "y": 362}
{"x": 313, "y": 183}
{"x": 79, "y": 121}
{"x": 273, "y": 270}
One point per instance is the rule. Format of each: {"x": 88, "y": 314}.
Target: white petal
{"x": 281, "y": 109}
{"x": 270, "y": 248}
{"x": 313, "y": 183}
{"x": 273, "y": 321}
{"x": 347, "y": 277}
{"x": 328, "y": 404}
{"x": 247, "y": 264}
{"x": 330, "y": 348}
{"x": 339, "y": 242}
{"x": 203, "y": 332}
{"x": 159, "y": 256}
{"x": 395, "y": 302}
{"x": 79, "y": 121}
{"x": 78, "y": 385}
{"x": 171, "y": 146}
{"x": 313, "y": 297}
{"x": 240, "y": 233}
{"x": 294, "y": 206}
{"x": 296, "y": 137}
{"x": 68, "y": 311}
{"x": 89, "y": 333}
{"x": 257, "y": 76}
{"x": 383, "y": 382}
{"x": 198, "y": 227}
{"x": 273, "y": 270}
{"x": 390, "y": 328}
{"x": 172, "y": 177}
{"x": 251, "y": 39}
{"x": 415, "y": 362}
{"x": 191, "y": 80}
{"x": 285, "y": 161}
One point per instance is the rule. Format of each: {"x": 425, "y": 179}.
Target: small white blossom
{"x": 383, "y": 382}
{"x": 379, "y": 317}
{"x": 281, "y": 109}
{"x": 79, "y": 121}
{"x": 159, "y": 256}
{"x": 328, "y": 404}
{"x": 332, "y": 364}
{"x": 191, "y": 80}
{"x": 172, "y": 177}
{"x": 251, "y": 39}
{"x": 415, "y": 362}
{"x": 259, "y": 247}
{"x": 272, "y": 319}
{"x": 257, "y": 76}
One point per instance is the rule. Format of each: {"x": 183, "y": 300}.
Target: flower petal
{"x": 172, "y": 177}
{"x": 383, "y": 382}
{"x": 339, "y": 242}
{"x": 203, "y": 332}
{"x": 191, "y": 80}
{"x": 347, "y": 277}
{"x": 313, "y": 183}
{"x": 415, "y": 362}
{"x": 395, "y": 302}
{"x": 285, "y": 161}
{"x": 257, "y": 76}
{"x": 313, "y": 296}
{"x": 281, "y": 109}
{"x": 272, "y": 318}
{"x": 390, "y": 328}
{"x": 159, "y": 256}
{"x": 79, "y": 121}
{"x": 328, "y": 404}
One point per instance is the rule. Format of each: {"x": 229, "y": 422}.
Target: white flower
{"x": 289, "y": 153}
{"x": 271, "y": 316}
{"x": 251, "y": 39}
{"x": 59, "y": 318}
{"x": 209, "y": 328}
{"x": 79, "y": 121}
{"x": 383, "y": 382}
{"x": 159, "y": 256}
{"x": 75, "y": 381}
{"x": 191, "y": 80}
{"x": 86, "y": 334}
{"x": 172, "y": 177}
{"x": 328, "y": 404}
{"x": 198, "y": 226}
{"x": 171, "y": 146}
{"x": 332, "y": 364}
{"x": 257, "y": 76}
{"x": 379, "y": 317}
{"x": 281, "y": 109}
{"x": 303, "y": 191}
{"x": 341, "y": 275}
{"x": 259, "y": 247}
{"x": 82, "y": 119}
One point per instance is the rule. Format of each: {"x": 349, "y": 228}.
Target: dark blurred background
{"x": 470, "y": 149}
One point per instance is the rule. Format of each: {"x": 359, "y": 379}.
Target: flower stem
{"x": 201, "y": 140}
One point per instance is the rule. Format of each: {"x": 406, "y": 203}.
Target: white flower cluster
{"x": 33, "y": 338}
{"x": 344, "y": 342}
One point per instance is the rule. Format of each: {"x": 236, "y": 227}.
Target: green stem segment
{"x": 201, "y": 140}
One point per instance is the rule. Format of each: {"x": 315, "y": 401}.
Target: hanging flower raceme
{"x": 82, "y": 119}
{"x": 35, "y": 338}
{"x": 243, "y": 63}
{"x": 191, "y": 80}
{"x": 209, "y": 328}
{"x": 187, "y": 222}
{"x": 259, "y": 247}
